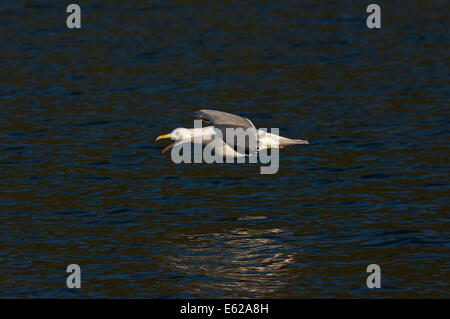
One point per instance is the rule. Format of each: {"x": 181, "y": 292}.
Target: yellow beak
{"x": 168, "y": 147}
{"x": 163, "y": 136}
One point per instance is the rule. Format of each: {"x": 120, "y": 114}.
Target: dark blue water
{"x": 82, "y": 180}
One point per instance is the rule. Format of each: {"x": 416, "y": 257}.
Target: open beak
{"x": 168, "y": 147}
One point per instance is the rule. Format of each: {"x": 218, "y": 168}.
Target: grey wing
{"x": 224, "y": 121}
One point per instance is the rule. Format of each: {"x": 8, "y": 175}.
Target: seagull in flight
{"x": 216, "y": 133}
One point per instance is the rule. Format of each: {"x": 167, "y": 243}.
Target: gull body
{"x": 215, "y": 133}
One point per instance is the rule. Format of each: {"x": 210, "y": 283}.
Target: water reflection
{"x": 254, "y": 262}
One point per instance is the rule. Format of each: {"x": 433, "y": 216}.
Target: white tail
{"x": 287, "y": 141}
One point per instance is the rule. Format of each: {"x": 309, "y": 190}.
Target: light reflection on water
{"x": 240, "y": 261}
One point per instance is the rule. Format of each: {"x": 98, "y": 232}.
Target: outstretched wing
{"x": 223, "y": 120}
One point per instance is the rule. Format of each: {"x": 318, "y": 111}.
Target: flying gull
{"x": 217, "y": 133}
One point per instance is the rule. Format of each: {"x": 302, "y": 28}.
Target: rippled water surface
{"x": 82, "y": 180}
